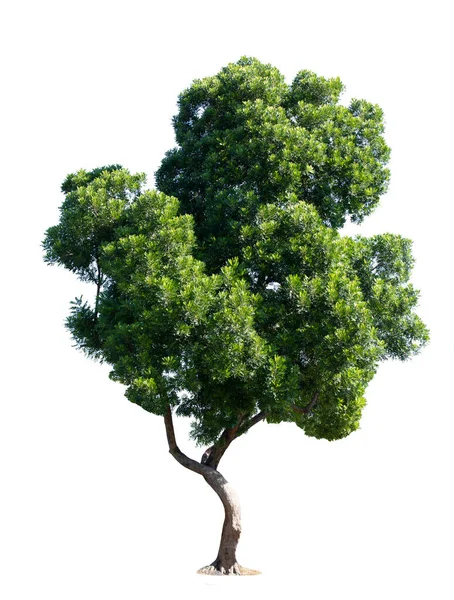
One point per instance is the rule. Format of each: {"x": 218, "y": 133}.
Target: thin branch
{"x": 99, "y": 282}
{"x": 260, "y": 416}
{"x": 213, "y": 455}
{"x": 307, "y": 409}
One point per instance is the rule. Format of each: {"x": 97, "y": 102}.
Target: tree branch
{"x": 260, "y": 416}
{"x": 178, "y": 455}
{"x": 212, "y": 456}
{"x": 307, "y": 409}
{"x": 214, "y": 453}
{"x": 99, "y": 282}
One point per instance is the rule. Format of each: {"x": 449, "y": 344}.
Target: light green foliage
{"x": 241, "y": 295}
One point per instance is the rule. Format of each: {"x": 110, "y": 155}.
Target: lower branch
{"x": 184, "y": 460}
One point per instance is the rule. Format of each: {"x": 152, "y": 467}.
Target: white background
{"x": 92, "y": 504}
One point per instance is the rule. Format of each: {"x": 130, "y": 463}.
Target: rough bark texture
{"x": 225, "y": 563}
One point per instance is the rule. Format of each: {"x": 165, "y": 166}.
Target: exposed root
{"x": 216, "y": 569}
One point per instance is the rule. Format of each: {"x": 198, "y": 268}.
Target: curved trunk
{"x": 226, "y": 563}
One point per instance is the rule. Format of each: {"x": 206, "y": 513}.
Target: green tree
{"x": 229, "y": 295}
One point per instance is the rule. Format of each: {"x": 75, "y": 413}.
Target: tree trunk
{"x": 226, "y": 563}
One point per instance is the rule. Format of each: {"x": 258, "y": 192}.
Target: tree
{"x": 230, "y": 296}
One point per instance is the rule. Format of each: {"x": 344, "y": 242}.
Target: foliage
{"x": 242, "y": 295}
{"x": 246, "y": 139}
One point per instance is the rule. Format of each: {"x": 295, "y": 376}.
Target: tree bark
{"x": 226, "y": 562}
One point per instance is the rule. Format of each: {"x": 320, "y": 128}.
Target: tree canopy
{"x": 230, "y": 290}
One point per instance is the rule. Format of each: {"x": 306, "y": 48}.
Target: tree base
{"x": 217, "y": 569}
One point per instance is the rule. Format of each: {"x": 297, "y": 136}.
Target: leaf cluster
{"x": 246, "y": 138}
